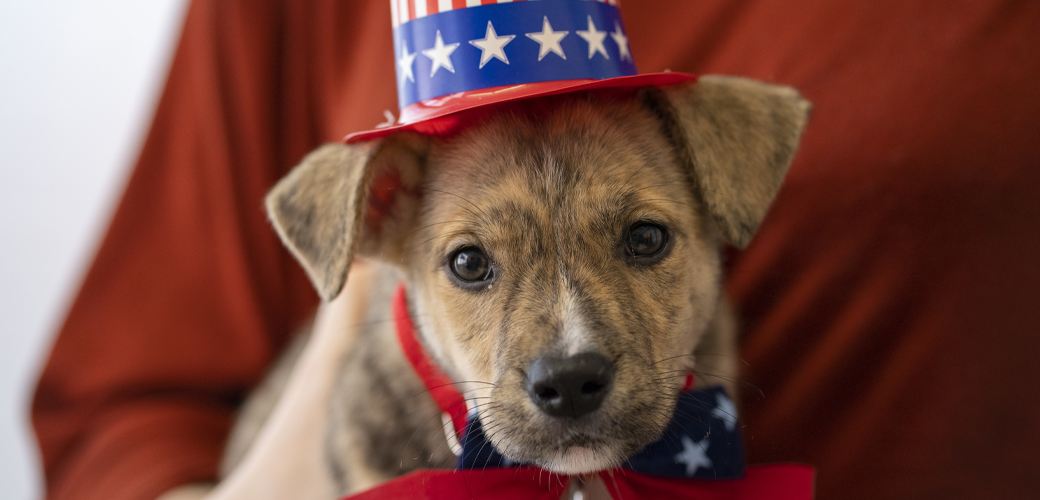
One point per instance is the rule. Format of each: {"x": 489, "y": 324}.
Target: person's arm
{"x": 191, "y": 294}
{"x": 285, "y": 460}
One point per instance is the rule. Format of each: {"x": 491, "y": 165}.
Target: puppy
{"x": 573, "y": 230}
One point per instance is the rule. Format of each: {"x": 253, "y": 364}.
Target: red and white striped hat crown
{"x": 456, "y": 55}
{"x": 408, "y": 10}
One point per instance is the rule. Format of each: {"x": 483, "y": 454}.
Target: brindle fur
{"x": 546, "y": 188}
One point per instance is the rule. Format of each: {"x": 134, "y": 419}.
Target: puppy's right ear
{"x": 345, "y": 198}
{"x": 739, "y": 137}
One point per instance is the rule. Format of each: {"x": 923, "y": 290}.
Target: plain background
{"x": 78, "y": 85}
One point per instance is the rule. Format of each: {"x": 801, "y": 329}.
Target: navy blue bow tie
{"x": 702, "y": 441}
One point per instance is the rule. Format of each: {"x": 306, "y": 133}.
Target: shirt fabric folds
{"x": 889, "y": 301}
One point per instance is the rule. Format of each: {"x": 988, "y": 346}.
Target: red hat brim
{"x": 443, "y": 115}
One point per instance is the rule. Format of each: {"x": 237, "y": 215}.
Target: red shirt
{"x": 891, "y": 300}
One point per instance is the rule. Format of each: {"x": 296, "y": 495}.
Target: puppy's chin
{"x": 580, "y": 456}
{"x": 597, "y": 442}
{"x": 580, "y": 460}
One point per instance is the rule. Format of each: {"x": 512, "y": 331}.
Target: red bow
{"x": 773, "y": 482}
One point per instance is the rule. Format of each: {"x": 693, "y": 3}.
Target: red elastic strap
{"x": 764, "y": 482}
{"x": 439, "y": 386}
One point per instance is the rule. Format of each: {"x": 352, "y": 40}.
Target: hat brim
{"x": 443, "y": 115}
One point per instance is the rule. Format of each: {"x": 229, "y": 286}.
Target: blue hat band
{"x": 509, "y": 44}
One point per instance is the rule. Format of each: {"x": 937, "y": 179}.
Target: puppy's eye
{"x": 646, "y": 239}
{"x": 470, "y": 265}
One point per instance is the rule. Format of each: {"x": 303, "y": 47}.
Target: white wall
{"x": 78, "y": 83}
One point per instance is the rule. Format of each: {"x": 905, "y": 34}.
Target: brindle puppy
{"x": 574, "y": 234}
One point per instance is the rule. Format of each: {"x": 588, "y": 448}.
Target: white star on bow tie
{"x": 694, "y": 455}
{"x": 622, "y": 41}
{"x": 405, "y": 63}
{"x": 440, "y": 54}
{"x": 595, "y": 39}
{"x": 492, "y": 46}
{"x": 726, "y": 411}
{"x": 548, "y": 40}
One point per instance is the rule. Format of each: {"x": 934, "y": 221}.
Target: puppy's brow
{"x": 470, "y": 202}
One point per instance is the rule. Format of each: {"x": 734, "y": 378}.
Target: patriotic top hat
{"x": 458, "y": 55}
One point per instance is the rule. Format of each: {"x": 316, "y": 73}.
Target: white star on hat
{"x": 492, "y": 46}
{"x": 694, "y": 455}
{"x": 548, "y": 40}
{"x": 595, "y": 39}
{"x": 622, "y": 41}
{"x": 726, "y": 411}
{"x": 405, "y": 63}
{"x": 440, "y": 54}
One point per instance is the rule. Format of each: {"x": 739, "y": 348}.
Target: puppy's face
{"x": 562, "y": 267}
{"x": 562, "y": 254}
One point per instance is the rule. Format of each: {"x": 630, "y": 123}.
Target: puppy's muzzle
{"x": 570, "y": 387}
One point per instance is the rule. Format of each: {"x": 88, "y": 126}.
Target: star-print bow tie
{"x": 700, "y": 455}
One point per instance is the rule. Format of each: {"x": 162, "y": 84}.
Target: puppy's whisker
{"x": 445, "y": 442}
{"x": 474, "y": 205}
{"x": 449, "y": 233}
{"x": 662, "y": 413}
{"x": 375, "y": 322}
{"x": 666, "y": 376}
{"x": 471, "y": 212}
{"x": 449, "y": 384}
{"x": 445, "y": 425}
{"x": 661, "y": 397}
{"x": 417, "y": 429}
{"x": 493, "y": 430}
{"x": 634, "y": 174}
{"x": 677, "y": 370}
{"x": 487, "y": 440}
{"x": 720, "y": 355}
{"x": 655, "y": 363}
{"x": 678, "y": 411}
{"x": 409, "y": 233}
{"x": 365, "y": 324}
{"x": 743, "y": 384}
{"x": 427, "y": 422}
{"x": 670, "y": 377}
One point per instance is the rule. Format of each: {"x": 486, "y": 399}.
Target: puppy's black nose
{"x": 571, "y": 386}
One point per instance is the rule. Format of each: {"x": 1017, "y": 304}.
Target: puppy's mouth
{"x": 580, "y": 453}
{"x": 576, "y": 460}
{"x": 577, "y": 454}
{"x": 597, "y": 442}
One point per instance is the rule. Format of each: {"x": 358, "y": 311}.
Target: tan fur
{"x": 557, "y": 188}
{"x": 546, "y": 188}
{"x": 742, "y": 136}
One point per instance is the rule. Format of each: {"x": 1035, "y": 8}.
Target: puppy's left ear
{"x": 351, "y": 199}
{"x": 738, "y": 137}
